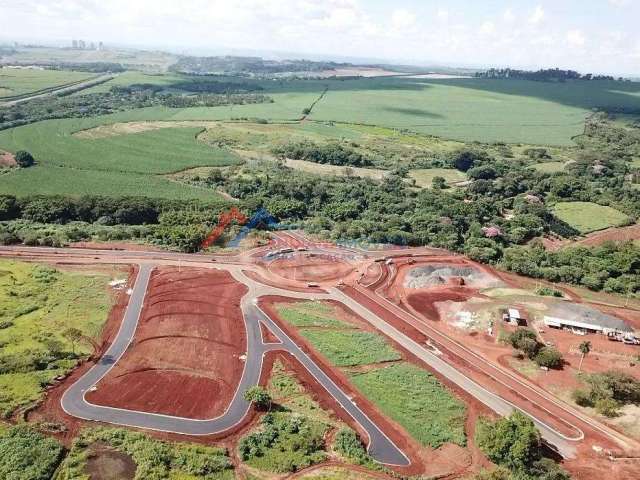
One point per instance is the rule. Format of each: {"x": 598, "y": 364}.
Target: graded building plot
{"x": 185, "y": 358}
{"x": 20, "y": 81}
{"x": 404, "y": 392}
{"x": 416, "y": 400}
{"x": 589, "y": 217}
{"x": 38, "y": 307}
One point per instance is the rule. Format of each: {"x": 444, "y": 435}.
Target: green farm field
{"x": 589, "y": 217}
{"x": 14, "y": 81}
{"x": 395, "y": 118}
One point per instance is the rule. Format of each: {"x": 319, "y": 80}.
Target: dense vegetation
{"x": 155, "y": 459}
{"x": 26, "y": 454}
{"x": 514, "y": 443}
{"x": 543, "y": 75}
{"x": 285, "y": 443}
{"x": 526, "y": 341}
{"x": 47, "y": 321}
{"x": 608, "y": 391}
{"x": 119, "y": 99}
{"x": 331, "y": 154}
{"x": 248, "y": 66}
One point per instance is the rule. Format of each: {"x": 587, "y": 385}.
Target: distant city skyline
{"x": 599, "y": 36}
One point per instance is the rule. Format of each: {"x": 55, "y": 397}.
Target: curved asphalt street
{"x": 380, "y": 447}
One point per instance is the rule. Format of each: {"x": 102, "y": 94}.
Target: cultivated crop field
{"x": 18, "y": 81}
{"x": 589, "y": 217}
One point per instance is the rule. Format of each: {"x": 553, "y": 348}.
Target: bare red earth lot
{"x": 184, "y": 359}
{"x": 317, "y": 268}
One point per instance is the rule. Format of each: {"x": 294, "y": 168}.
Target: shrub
{"x": 348, "y": 444}
{"x": 24, "y": 159}
{"x": 549, "y": 292}
{"x": 607, "y": 407}
{"x": 26, "y": 454}
{"x": 582, "y": 398}
{"x": 259, "y": 397}
{"x": 548, "y": 357}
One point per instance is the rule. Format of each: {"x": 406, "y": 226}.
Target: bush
{"x": 514, "y": 443}
{"x": 548, "y": 357}
{"x": 525, "y": 340}
{"x": 348, "y": 444}
{"x": 24, "y": 159}
{"x": 582, "y": 398}
{"x": 607, "y": 407}
{"x": 549, "y": 292}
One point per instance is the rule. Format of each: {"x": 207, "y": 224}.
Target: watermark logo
{"x": 260, "y": 219}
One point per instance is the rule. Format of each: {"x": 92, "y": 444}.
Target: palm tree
{"x": 585, "y": 348}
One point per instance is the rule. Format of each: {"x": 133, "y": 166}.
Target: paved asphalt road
{"x": 380, "y": 447}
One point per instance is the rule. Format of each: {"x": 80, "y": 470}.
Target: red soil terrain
{"x": 184, "y": 359}
{"x": 7, "y": 159}
{"x": 306, "y": 268}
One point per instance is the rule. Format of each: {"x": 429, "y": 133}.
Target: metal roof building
{"x": 580, "y": 316}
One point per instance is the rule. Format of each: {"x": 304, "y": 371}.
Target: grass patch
{"x": 153, "y": 458}
{"x": 589, "y": 217}
{"x": 549, "y": 167}
{"x": 338, "y": 341}
{"x": 348, "y": 348}
{"x": 416, "y": 400}
{"x": 288, "y": 394}
{"x": 37, "y": 303}
{"x": 309, "y": 314}
{"x": 424, "y": 177}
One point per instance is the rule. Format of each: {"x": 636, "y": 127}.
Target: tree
{"x": 24, "y": 159}
{"x": 258, "y": 396}
{"x": 585, "y": 348}
{"x": 512, "y": 442}
{"x": 74, "y": 336}
{"x": 548, "y": 357}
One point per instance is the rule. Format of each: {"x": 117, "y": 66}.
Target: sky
{"x": 599, "y": 36}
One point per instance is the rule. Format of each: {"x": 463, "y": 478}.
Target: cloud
{"x": 522, "y": 38}
{"x": 443, "y": 14}
{"x": 402, "y": 19}
{"x": 537, "y": 15}
{"x": 575, "y": 38}
{"x": 487, "y": 28}
{"x": 508, "y": 15}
